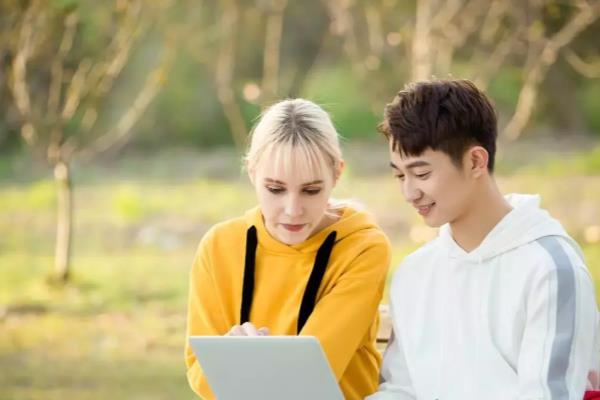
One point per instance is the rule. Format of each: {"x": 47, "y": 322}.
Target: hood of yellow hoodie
{"x": 350, "y": 222}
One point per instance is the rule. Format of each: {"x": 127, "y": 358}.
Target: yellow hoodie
{"x": 344, "y": 319}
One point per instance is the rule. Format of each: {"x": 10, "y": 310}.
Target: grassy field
{"x": 118, "y": 329}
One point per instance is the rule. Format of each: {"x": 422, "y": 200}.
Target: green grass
{"x": 583, "y": 164}
{"x": 117, "y": 330}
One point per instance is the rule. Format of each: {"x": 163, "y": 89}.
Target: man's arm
{"x": 558, "y": 341}
{"x": 395, "y": 382}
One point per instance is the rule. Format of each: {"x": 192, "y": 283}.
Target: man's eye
{"x": 275, "y": 190}
{"x": 401, "y": 177}
{"x": 423, "y": 176}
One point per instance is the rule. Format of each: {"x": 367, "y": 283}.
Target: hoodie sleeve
{"x": 358, "y": 291}
{"x": 395, "y": 383}
{"x": 205, "y": 315}
{"x": 558, "y": 341}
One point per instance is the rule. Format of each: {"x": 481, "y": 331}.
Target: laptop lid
{"x": 266, "y": 367}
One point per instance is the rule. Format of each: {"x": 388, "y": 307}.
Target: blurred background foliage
{"x": 123, "y": 123}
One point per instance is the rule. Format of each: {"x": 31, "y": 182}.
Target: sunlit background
{"x": 123, "y": 124}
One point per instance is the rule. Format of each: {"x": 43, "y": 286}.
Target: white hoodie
{"x": 516, "y": 318}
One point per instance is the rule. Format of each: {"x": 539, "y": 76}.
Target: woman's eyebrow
{"x": 270, "y": 180}
{"x": 315, "y": 182}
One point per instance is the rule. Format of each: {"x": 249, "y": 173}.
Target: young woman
{"x": 299, "y": 263}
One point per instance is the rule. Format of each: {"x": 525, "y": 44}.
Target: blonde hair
{"x": 296, "y": 134}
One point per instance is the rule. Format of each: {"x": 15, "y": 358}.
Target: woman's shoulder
{"x": 360, "y": 225}
{"x": 229, "y": 230}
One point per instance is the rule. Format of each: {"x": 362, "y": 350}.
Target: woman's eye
{"x": 312, "y": 192}
{"x": 275, "y": 190}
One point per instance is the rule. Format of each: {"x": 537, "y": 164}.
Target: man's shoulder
{"x": 424, "y": 253}
{"x": 415, "y": 263}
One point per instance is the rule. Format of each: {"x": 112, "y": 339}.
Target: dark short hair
{"x": 445, "y": 115}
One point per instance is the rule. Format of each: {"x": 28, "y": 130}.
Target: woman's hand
{"x": 247, "y": 329}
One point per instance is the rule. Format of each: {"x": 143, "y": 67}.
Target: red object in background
{"x": 592, "y": 395}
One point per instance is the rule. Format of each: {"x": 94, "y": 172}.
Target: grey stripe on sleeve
{"x": 565, "y": 318}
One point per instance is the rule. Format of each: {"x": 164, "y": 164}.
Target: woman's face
{"x": 293, "y": 204}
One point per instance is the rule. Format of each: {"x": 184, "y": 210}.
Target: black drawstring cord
{"x": 249, "y": 264}
{"x": 312, "y": 287}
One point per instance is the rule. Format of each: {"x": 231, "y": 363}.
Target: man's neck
{"x": 483, "y": 215}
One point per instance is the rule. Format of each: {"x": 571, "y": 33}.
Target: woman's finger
{"x": 264, "y": 331}
{"x": 249, "y": 329}
{"x": 236, "y": 330}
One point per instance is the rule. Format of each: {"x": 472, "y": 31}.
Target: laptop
{"x": 266, "y": 367}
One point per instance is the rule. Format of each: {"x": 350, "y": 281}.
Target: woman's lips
{"x": 293, "y": 227}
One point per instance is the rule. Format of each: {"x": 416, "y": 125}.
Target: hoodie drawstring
{"x": 314, "y": 281}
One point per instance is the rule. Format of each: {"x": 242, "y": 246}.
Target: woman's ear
{"x": 251, "y": 173}
{"x": 338, "y": 171}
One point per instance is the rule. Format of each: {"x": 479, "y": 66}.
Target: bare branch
{"x": 342, "y": 24}
{"x": 494, "y": 61}
{"x": 58, "y": 63}
{"x": 18, "y": 76}
{"x": 467, "y": 22}
{"x": 590, "y": 70}
{"x": 224, "y": 74}
{"x": 446, "y": 13}
{"x": 421, "y": 54}
{"x": 122, "y": 131}
{"x": 586, "y": 15}
{"x": 374, "y": 23}
{"x": 493, "y": 20}
{"x": 96, "y": 80}
{"x": 271, "y": 56}
{"x": 75, "y": 91}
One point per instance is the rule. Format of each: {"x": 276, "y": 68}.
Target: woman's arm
{"x": 342, "y": 318}
{"x": 205, "y": 314}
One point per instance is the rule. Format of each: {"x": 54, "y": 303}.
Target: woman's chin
{"x": 292, "y": 238}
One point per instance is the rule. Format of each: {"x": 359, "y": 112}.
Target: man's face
{"x": 293, "y": 204}
{"x": 439, "y": 190}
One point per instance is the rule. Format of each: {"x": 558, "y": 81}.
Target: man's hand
{"x": 247, "y": 329}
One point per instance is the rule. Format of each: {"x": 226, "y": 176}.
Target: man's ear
{"x": 477, "y": 161}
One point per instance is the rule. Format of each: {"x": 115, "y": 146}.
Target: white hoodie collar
{"x": 525, "y": 223}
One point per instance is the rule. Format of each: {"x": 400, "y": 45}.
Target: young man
{"x": 500, "y": 305}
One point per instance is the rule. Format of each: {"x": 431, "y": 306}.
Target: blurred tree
{"x": 435, "y": 37}
{"x": 271, "y": 53}
{"x": 65, "y": 59}
{"x": 543, "y": 51}
{"x": 258, "y": 52}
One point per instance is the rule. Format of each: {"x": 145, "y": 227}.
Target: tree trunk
{"x": 62, "y": 254}
{"x": 224, "y": 74}
{"x": 421, "y": 59}
{"x": 562, "y": 105}
{"x": 274, "y": 31}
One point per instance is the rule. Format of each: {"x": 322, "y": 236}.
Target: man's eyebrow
{"x": 418, "y": 163}
{"x": 414, "y": 164}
